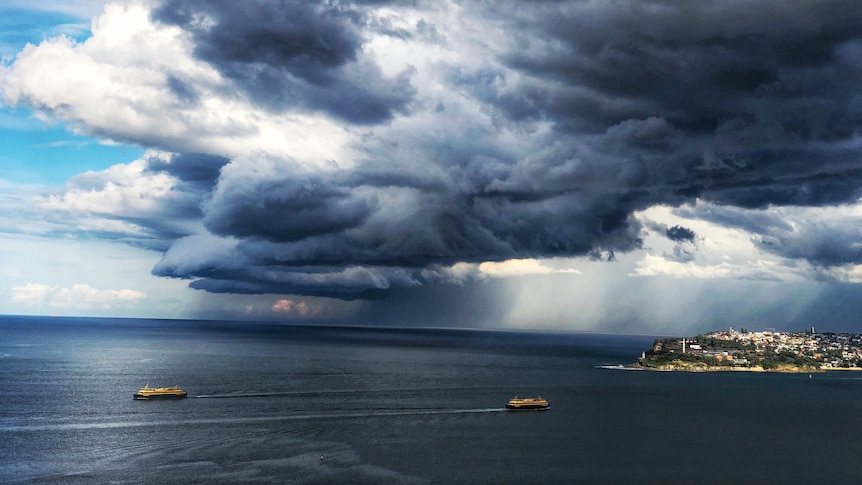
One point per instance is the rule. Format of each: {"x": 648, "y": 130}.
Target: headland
{"x": 767, "y": 351}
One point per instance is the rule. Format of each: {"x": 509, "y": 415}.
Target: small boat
{"x": 527, "y": 403}
{"x": 148, "y": 392}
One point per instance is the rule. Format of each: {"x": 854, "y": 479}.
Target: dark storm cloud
{"x": 695, "y": 63}
{"x": 196, "y": 175}
{"x": 757, "y": 222}
{"x": 746, "y": 91}
{"x": 362, "y": 235}
{"x": 284, "y": 210}
{"x": 292, "y": 54}
{"x": 680, "y": 234}
{"x": 197, "y": 168}
{"x": 821, "y": 246}
{"x": 345, "y": 284}
{"x": 743, "y": 104}
{"x": 413, "y": 215}
{"x": 223, "y": 265}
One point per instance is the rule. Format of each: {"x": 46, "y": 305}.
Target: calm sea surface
{"x": 266, "y": 402}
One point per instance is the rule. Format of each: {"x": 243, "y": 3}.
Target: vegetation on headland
{"x": 756, "y": 351}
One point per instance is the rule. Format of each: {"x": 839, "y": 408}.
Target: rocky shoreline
{"x": 786, "y": 370}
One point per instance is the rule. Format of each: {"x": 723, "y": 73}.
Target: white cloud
{"x": 510, "y": 268}
{"x": 740, "y": 247}
{"x": 117, "y": 84}
{"x": 79, "y": 296}
{"x": 715, "y": 242}
{"x": 41, "y": 274}
{"x": 31, "y": 294}
{"x": 520, "y": 267}
{"x": 121, "y": 189}
{"x": 125, "y": 201}
{"x": 652, "y": 265}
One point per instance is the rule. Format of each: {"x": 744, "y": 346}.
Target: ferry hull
{"x": 147, "y": 393}
{"x": 528, "y": 404}
{"x": 142, "y": 397}
{"x": 527, "y": 408}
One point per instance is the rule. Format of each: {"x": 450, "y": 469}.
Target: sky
{"x": 653, "y": 167}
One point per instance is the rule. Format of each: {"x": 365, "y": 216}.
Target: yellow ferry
{"x": 527, "y": 403}
{"x": 148, "y": 392}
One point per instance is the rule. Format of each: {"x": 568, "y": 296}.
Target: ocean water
{"x": 286, "y": 404}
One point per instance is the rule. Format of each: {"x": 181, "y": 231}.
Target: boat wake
{"x": 250, "y": 394}
{"x": 279, "y": 394}
{"x": 329, "y": 392}
{"x": 17, "y": 428}
{"x": 617, "y": 367}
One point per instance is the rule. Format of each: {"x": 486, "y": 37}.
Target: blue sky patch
{"x": 50, "y": 155}
{"x": 21, "y": 26}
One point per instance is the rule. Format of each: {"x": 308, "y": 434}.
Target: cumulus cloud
{"x": 79, "y": 296}
{"x": 291, "y": 306}
{"x": 31, "y": 293}
{"x": 351, "y": 149}
{"x": 137, "y": 81}
{"x": 148, "y": 202}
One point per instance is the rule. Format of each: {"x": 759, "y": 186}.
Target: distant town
{"x": 743, "y": 350}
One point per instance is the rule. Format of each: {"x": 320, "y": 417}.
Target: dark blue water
{"x": 399, "y": 406}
